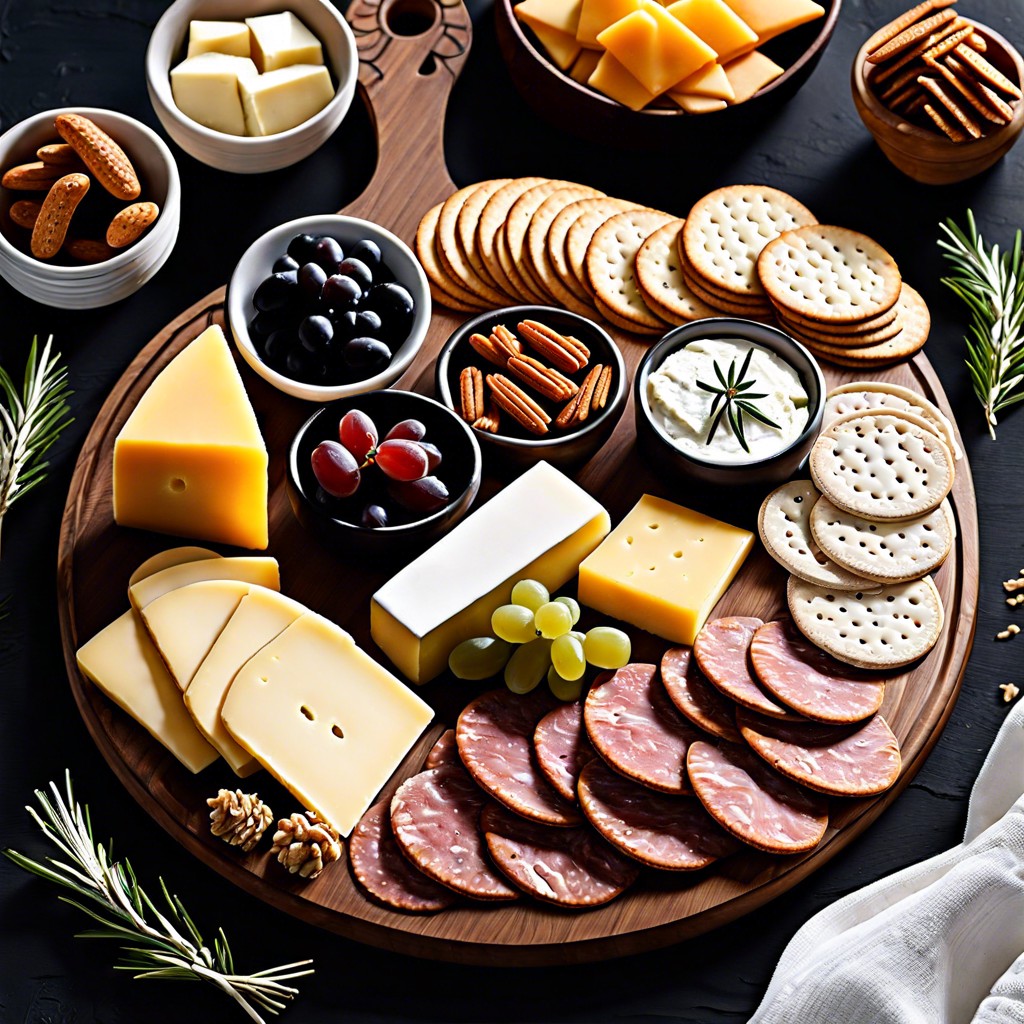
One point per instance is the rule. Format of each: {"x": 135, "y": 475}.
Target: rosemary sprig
{"x": 734, "y": 400}
{"x": 992, "y": 285}
{"x": 169, "y": 946}
{"x": 30, "y": 422}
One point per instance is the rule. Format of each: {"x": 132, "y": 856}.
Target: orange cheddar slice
{"x": 698, "y": 104}
{"x": 770, "y": 18}
{"x": 562, "y": 47}
{"x": 717, "y": 24}
{"x": 585, "y": 65}
{"x": 710, "y": 81}
{"x": 656, "y": 48}
{"x": 750, "y": 73}
{"x": 560, "y": 15}
{"x": 611, "y": 78}
{"x": 597, "y": 15}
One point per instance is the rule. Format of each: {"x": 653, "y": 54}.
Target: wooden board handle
{"x": 410, "y": 53}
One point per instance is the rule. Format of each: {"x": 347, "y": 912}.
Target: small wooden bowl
{"x": 927, "y": 156}
{"x": 577, "y": 108}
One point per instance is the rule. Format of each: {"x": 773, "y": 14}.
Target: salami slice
{"x": 573, "y": 867}
{"x": 495, "y": 739}
{"x": 694, "y": 697}
{"x": 380, "y": 868}
{"x": 843, "y": 760}
{"x": 562, "y": 748}
{"x": 444, "y": 751}
{"x": 754, "y": 802}
{"x": 674, "y": 833}
{"x": 434, "y": 818}
{"x": 808, "y": 680}
{"x": 637, "y": 730}
{"x": 722, "y": 651}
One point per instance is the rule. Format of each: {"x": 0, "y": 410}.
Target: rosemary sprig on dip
{"x": 733, "y": 400}
{"x": 992, "y": 285}
{"x": 169, "y": 946}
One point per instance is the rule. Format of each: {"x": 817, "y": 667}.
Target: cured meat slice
{"x": 380, "y": 868}
{"x": 495, "y": 739}
{"x": 754, "y": 802}
{"x": 808, "y": 680}
{"x": 573, "y": 867}
{"x": 674, "y": 833}
{"x": 562, "y": 748}
{"x": 637, "y": 730}
{"x": 444, "y": 751}
{"x": 434, "y": 818}
{"x": 694, "y": 697}
{"x": 722, "y": 651}
{"x": 843, "y": 760}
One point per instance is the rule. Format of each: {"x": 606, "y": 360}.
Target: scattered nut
{"x": 1011, "y": 585}
{"x": 1011, "y": 630}
{"x": 1010, "y": 691}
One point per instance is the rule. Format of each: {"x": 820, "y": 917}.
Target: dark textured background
{"x": 90, "y": 52}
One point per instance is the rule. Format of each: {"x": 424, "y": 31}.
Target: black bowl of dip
{"x": 667, "y": 458}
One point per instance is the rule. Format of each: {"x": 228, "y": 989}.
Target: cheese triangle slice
{"x": 190, "y": 459}
{"x": 710, "y": 81}
{"x": 770, "y": 18}
{"x": 751, "y": 73}
{"x": 165, "y": 559}
{"x": 560, "y": 15}
{"x": 257, "y": 569}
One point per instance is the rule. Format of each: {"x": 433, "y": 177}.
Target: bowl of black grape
{"x": 383, "y": 473}
{"x": 329, "y": 306}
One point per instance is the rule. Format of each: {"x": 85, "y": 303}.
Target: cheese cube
{"x": 751, "y": 73}
{"x": 539, "y": 527}
{"x": 585, "y": 65}
{"x": 323, "y": 718}
{"x": 717, "y": 24}
{"x": 769, "y": 18}
{"x": 285, "y": 98}
{"x": 190, "y": 460}
{"x": 254, "y": 570}
{"x": 560, "y": 15}
{"x": 663, "y": 568}
{"x": 206, "y": 89}
{"x": 710, "y": 81}
{"x": 612, "y": 79}
{"x": 561, "y": 47}
{"x": 280, "y": 40}
{"x": 231, "y": 37}
{"x": 597, "y": 15}
{"x": 656, "y": 48}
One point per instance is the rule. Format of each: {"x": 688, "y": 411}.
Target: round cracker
{"x": 452, "y": 256}
{"x": 725, "y": 306}
{"x": 557, "y": 239}
{"x": 466, "y": 225}
{"x": 843, "y": 334}
{"x": 874, "y": 323}
{"x": 885, "y": 552}
{"x": 916, "y": 321}
{"x": 535, "y": 252}
{"x": 862, "y": 364}
{"x": 890, "y": 629}
{"x": 489, "y": 228}
{"x": 726, "y": 230}
{"x": 581, "y": 231}
{"x": 623, "y": 324}
{"x": 660, "y": 278}
{"x": 705, "y": 287}
{"x": 442, "y": 286}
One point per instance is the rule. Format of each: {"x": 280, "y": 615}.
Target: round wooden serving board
{"x": 406, "y": 80}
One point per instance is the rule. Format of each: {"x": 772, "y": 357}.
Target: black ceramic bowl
{"x": 512, "y": 443}
{"x": 659, "y": 450}
{"x": 336, "y": 522}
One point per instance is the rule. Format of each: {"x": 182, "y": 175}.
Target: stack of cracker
{"x": 929, "y": 66}
{"x": 861, "y": 538}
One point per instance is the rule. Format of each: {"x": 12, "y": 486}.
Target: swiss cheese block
{"x": 256, "y": 569}
{"x": 539, "y": 527}
{"x": 231, "y": 37}
{"x": 190, "y": 459}
{"x": 125, "y": 665}
{"x": 612, "y": 79}
{"x": 323, "y": 718}
{"x": 284, "y": 98}
{"x": 597, "y": 15}
{"x": 207, "y": 89}
{"x": 710, "y": 81}
{"x": 663, "y": 568}
{"x": 261, "y": 616}
{"x": 560, "y": 15}
{"x": 769, "y": 18}
{"x": 168, "y": 557}
{"x": 717, "y": 24}
{"x": 280, "y": 40}
{"x": 751, "y": 73}
{"x": 561, "y": 47}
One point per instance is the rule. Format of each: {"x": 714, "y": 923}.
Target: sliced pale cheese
{"x": 769, "y": 18}
{"x": 585, "y": 65}
{"x": 597, "y": 15}
{"x": 663, "y": 568}
{"x": 257, "y": 569}
{"x": 323, "y": 718}
{"x": 612, "y": 79}
{"x": 538, "y": 527}
{"x": 185, "y": 623}
{"x": 125, "y": 665}
{"x": 560, "y": 15}
{"x": 261, "y": 616}
{"x": 717, "y": 24}
{"x": 165, "y": 559}
{"x": 231, "y": 37}
{"x": 561, "y": 47}
{"x": 280, "y": 40}
{"x": 697, "y": 104}
{"x": 284, "y": 98}
{"x": 751, "y": 73}
{"x": 190, "y": 460}
{"x": 710, "y": 81}
{"x": 207, "y": 89}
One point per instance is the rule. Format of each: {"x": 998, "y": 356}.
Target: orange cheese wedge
{"x": 770, "y": 18}
{"x": 561, "y": 47}
{"x": 698, "y": 104}
{"x": 597, "y": 15}
{"x": 560, "y": 15}
{"x": 710, "y": 81}
{"x": 611, "y": 78}
{"x": 585, "y": 65}
{"x": 751, "y": 73}
{"x": 716, "y": 23}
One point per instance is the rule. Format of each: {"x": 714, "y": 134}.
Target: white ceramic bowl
{"x": 232, "y": 152}
{"x": 90, "y": 285}
{"x": 256, "y": 264}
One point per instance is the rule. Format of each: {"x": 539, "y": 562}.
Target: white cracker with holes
{"x": 881, "y": 466}
{"x": 611, "y": 264}
{"x": 660, "y": 278}
{"x": 727, "y": 229}
{"x": 894, "y": 627}
{"x": 886, "y": 552}
{"x": 784, "y": 526}
{"x": 830, "y": 274}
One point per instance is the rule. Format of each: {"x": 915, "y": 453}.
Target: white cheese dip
{"x": 682, "y": 410}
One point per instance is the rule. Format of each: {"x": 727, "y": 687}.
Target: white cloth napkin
{"x": 941, "y": 942}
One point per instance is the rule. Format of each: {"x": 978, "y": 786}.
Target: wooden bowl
{"x": 577, "y": 108}
{"x": 928, "y": 156}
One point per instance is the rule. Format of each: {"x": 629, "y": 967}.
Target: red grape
{"x": 406, "y": 430}
{"x": 335, "y": 469}
{"x": 433, "y": 455}
{"x": 402, "y": 460}
{"x": 357, "y": 433}
{"x": 375, "y": 516}
{"x": 426, "y": 496}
